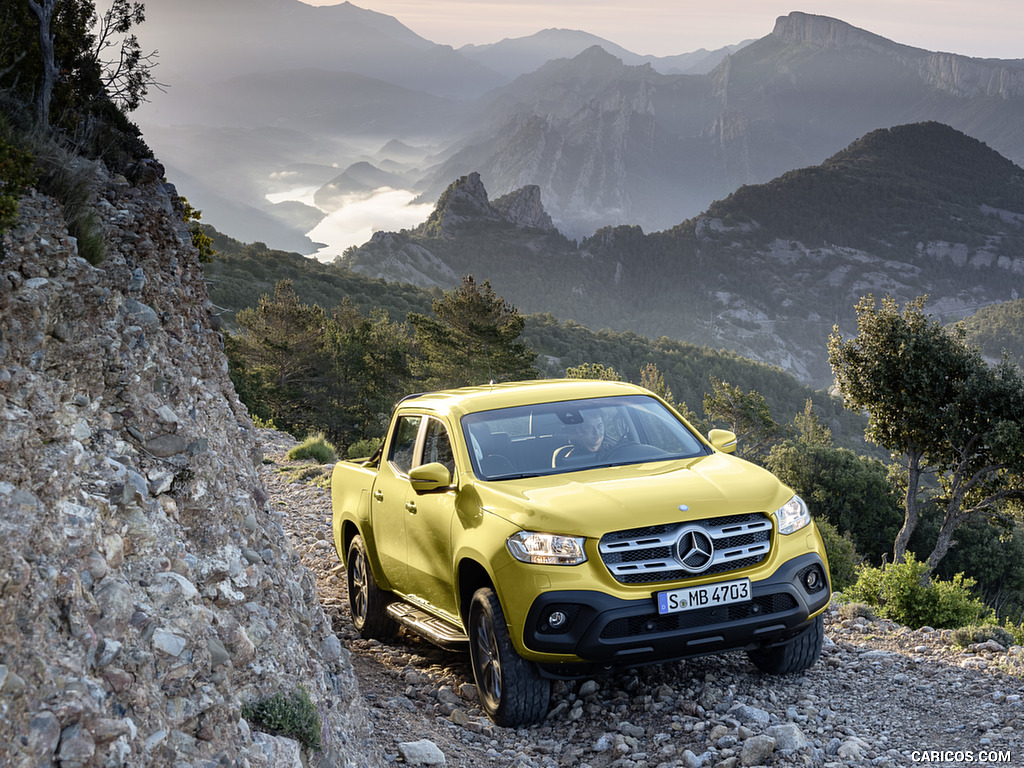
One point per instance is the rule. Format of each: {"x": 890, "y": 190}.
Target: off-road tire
{"x": 797, "y": 655}
{"x": 367, "y": 602}
{"x": 511, "y": 689}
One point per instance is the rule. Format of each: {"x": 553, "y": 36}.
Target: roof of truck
{"x": 509, "y": 394}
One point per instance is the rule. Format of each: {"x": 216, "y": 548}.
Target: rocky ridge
{"x": 147, "y": 592}
{"x": 959, "y": 76}
{"x": 466, "y": 201}
{"x": 881, "y": 695}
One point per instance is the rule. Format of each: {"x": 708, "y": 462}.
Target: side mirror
{"x": 430, "y": 477}
{"x": 723, "y": 440}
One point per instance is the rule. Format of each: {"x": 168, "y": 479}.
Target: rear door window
{"x": 403, "y": 443}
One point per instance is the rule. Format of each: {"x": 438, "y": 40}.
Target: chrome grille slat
{"x": 642, "y": 555}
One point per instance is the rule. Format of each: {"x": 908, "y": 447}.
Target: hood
{"x": 594, "y": 502}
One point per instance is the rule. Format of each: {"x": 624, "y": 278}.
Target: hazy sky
{"x": 981, "y": 28}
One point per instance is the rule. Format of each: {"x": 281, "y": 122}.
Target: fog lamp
{"x": 812, "y": 580}
{"x": 557, "y": 619}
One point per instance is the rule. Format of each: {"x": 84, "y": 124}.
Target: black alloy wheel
{"x": 512, "y": 691}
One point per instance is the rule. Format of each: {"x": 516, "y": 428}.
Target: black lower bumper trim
{"x": 609, "y": 631}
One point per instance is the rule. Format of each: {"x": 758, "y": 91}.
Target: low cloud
{"x": 360, "y": 215}
{"x": 384, "y": 209}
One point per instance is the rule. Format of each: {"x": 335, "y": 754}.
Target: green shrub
{"x": 981, "y": 633}
{"x": 314, "y": 447}
{"x": 362, "y": 449}
{"x": 898, "y": 593}
{"x": 263, "y": 423}
{"x": 17, "y": 173}
{"x": 857, "y": 611}
{"x": 202, "y": 241}
{"x": 293, "y": 715}
{"x": 70, "y": 179}
{"x": 1016, "y": 631}
{"x": 842, "y": 555}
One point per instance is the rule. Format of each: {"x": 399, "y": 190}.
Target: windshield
{"x": 573, "y": 435}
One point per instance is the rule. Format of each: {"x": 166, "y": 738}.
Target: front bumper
{"x": 607, "y": 631}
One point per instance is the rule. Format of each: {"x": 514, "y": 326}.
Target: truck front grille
{"x": 652, "y": 554}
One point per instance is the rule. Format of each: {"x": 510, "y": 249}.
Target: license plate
{"x": 704, "y": 596}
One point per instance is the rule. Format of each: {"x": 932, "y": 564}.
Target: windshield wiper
{"x": 516, "y": 476}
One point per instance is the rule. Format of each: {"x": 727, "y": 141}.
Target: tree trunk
{"x": 949, "y": 525}
{"x": 44, "y": 13}
{"x": 911, "y": 513}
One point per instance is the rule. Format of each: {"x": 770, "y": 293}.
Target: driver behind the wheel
{"x": 587, "y": 438}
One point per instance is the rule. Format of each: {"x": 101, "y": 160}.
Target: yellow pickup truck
{"x": 563, "y": 527}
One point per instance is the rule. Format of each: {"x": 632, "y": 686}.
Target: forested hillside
{"x": 242, "y": 273}
{"x": 998, "y": 329}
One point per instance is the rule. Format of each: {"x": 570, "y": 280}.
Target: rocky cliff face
{"x": 147, "y": 591}
{"x": 956, "y": 75}
{"x": 512, "y": 228}
{"x": 524, "y": 208}
{"x": 823, "y": 32}
{"x": 464, "y": 200}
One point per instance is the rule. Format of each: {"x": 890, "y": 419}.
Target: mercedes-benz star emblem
{"x": 695, "y": 550}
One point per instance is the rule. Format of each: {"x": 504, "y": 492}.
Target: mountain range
{"x": 301, "y": 93}
{"x": 766, "y": 272}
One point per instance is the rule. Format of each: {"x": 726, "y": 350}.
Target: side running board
{"x": 436, "y": 630}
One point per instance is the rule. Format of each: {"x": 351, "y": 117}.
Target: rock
{"x": 788, "y": 736}
{"x": 186, "y": 587}
{"x": 168, "y": 642}
{"x": 853, "y": 748}
{"x": 218, "y": 653}
{"x": 628, "y": 729}
{"x": 165, "y": 446}
{"x": 422, "y": 752}
{"x": 43, "y": 736}
{"x": 750, "y": 715}
{"x": 76, "y": 747}
{"x": 141, "y": 315}
{"x": 446, "y": 695}
{"x": 690, "y": 760}
{"x": 876, "y": 654}
{"x": 331, "y": 649}
{"x": 664, "y": 693}
{"x": 279, "y": 751}
{"x": 756, "y": 750}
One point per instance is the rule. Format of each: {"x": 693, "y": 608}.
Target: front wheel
{"x": 367, "y": 601}
{"x": 512, "y": 691}
{"x": 797, "y": 655}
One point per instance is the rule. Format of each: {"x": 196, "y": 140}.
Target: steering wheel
{"x": 630, "y": 449}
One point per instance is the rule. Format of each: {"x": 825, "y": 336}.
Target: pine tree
{"x": 472, "y": 339}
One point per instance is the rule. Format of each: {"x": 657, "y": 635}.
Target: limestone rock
{"x": 422, "y": 752}
{"x": 126, "y": 478}
{"x": 523, "y": 208}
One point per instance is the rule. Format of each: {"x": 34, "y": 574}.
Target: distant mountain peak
{"x": 799, "y": 28}
{"x": 596, "y": 57}
{"x": 466, "y": 200}
{"x": 960, "y": 76}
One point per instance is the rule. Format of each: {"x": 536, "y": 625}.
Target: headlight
{"x": 793, "y": 515}
{"x": 546, "y": 548}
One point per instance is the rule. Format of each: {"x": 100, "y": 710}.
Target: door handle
{"x": 378, "y": 495}
{"x": 410, "y": 507}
